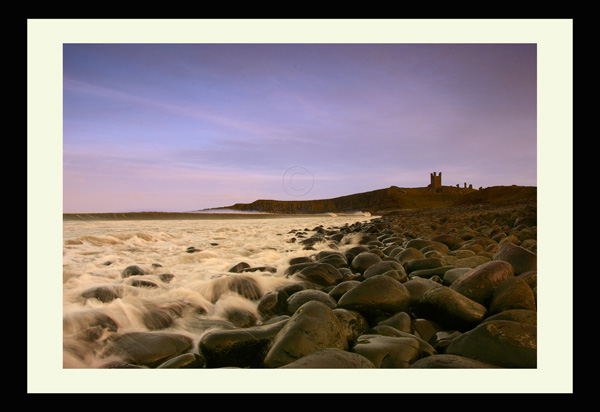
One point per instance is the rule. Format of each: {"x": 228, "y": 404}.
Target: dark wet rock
{"x": 331, "y": 358}
{"x": 142, "y": 283}
{"x": 503, "y": 343}
{"x": 512, "y": 293}
{"x": 449, "y": 308}
{"x": 364, "y": 260}
{"x": 239, "y": 317}
{"x": 520, "y": 258}
{"x": 479, "y": 285}
{"x": 385, "y": 267}
{"x": 387, "y": 351}
{"x": 297, "y": 267}
{"x": 299, "y": 259}
{"x": 445, "y": 361}
{"x": 377, "y": 296}
{"x": 166, "y": 277}
{"x": 312, "y": 327}
{"x": 104, "y": 293}
{"x": 192, "y": 249}
{"x": 244, "y": 285}
{"x": 269, "y": 305}
{"x": 148, "y": 348}
{"x": 157, "y": 319}
{"x": 132, "y": 270}
{"x": 239, "y": 267}
{"x": 240, "y": 347}
{"x": 422, "y": 264}
{"x": 184, "y": 361}
{"x": 353, "y": 324}
{"x": 269, "y": 269}
{"x": 301, "y": 297}
{"x": 338, "y": 291}
{"x": 322, "y": 274}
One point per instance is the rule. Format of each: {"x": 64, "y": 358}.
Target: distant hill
{"x": 390, "y": 199}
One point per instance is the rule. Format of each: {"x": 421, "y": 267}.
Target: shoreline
{"x": 196, "y": 216}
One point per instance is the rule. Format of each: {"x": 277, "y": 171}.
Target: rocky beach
{"x": 451, "y": 287}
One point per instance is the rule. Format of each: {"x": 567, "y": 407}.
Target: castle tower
{"x": 436, "y": 182}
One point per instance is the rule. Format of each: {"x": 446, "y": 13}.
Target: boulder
{"x": 512, "y": 293}
{"x": 503, "y": 343}
{"x": 364, "y": 260}
{"x": 312, "y": 327}
{"x": 301, "y": 297}
{"x": 479, "y": 285}
{"x": 449, "y": 308}
{"x": 148, "y": 348}
{"x": 384, "y": 267}
{"x": 424, "y": 263}
{"x": 240, "y": 347}
{"x": 377, "y": 296}
{"x": 322, "y": 274}
{"x": 521, "y": 259}
{"x": 132, "y": 270}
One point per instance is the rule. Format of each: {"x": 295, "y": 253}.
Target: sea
{"x": 183, "y": 260}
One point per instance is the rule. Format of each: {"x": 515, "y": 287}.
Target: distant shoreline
{"x": 194, "y": 216}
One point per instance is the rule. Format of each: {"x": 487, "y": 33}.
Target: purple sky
{"x": 181, "y": 127}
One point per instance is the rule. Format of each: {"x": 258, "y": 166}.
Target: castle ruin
{"x": 436, "y": 182}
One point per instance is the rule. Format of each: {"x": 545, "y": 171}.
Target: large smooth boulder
{"x": 422, "y": 264}
{"x": 148, "y": 348}
{"x": 512, "y": 293}
{"x": 299, "y": 298}
{"x": 240, "y": 347}
{"x": 384, "y": 267}
{"x": 480, "y": 284}
{"x": 322, "y": 274}
{"x": 504, "y": 343}
{"x": 521, "y": 259}
{"x": 449, "y": 308}
{"x": 377, "y": 296}
{"x": 312, "y": 327}
{"x": 364, "y": 260}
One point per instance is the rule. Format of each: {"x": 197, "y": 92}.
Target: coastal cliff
{"x": 390, "y": 199}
